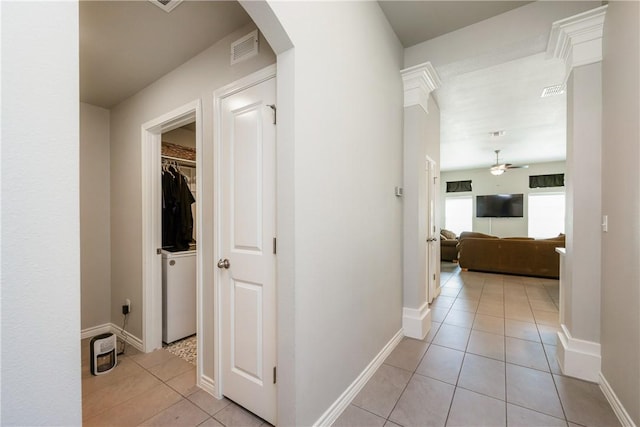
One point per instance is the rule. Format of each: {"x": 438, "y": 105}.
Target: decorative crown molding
{"x": 419, "y": 81}
{"x": 577, "y": 40}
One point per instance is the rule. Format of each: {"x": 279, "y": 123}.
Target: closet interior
{"x": 179, "y": 246}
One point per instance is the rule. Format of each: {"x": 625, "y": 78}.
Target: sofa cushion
{"x": 447, "y": 235}
{"x": 475, "y": 234}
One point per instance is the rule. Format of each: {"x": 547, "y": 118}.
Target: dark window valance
{"x": 542, "y": 181}
{"x": 458, "y": 186}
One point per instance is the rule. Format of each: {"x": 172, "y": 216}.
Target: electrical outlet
{"x": 126, "y": 307}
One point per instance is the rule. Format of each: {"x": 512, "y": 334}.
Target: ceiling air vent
{"x": 552, "y": 91}
{"x": 244, "y": 48}
{"x": 166, "y": 5}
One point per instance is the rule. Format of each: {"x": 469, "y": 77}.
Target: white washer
{"x": 178, "y": 295}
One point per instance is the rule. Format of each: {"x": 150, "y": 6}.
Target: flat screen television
{"x": 500, "y": 206}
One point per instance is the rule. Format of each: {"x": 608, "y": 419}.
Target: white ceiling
{"x": 488, "y": 90}
{"x": 503, "y": 97}
{"x": 126, "y": 45}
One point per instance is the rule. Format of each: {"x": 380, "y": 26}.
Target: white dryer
{"x": 178, "y": 295}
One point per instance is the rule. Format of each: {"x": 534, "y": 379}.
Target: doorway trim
{"x": 432, "y": 251}
{"x": 218, "y": 96}
{"x": 152, "y": 224}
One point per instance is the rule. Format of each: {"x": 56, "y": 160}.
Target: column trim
{"x": 419, "y": 81}
{"x": 578, "y": 358}
{"x": 416, "y": 322}
{"x": 577, "y": 40}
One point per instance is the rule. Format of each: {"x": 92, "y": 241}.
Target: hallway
{"x": 488, "y": 360}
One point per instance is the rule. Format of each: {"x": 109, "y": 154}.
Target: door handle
{"x": 432, "y": 240}
{"x": 224, "y": 263}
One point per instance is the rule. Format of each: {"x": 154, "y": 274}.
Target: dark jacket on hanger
{"x": 177, "y": 219}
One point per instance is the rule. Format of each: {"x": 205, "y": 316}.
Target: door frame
{"x": 219, "y": 95}
{"x": 433, "y": 285}
{"x": 152, "y": 224}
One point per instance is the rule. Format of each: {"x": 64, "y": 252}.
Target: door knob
{"x": 224, "y": 263}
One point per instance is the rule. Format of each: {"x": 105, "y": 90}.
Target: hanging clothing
{"x": 177, "y": 219}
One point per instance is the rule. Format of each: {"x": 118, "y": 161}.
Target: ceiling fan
{"x": 500, "y": 168}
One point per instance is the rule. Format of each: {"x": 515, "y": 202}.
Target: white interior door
{"x": 432, "y": 235}
{"x": 247, "y": 264}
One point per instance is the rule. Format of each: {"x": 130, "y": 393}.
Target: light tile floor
{"x": 489, "y": 360}
{"x": 154, "y": 389}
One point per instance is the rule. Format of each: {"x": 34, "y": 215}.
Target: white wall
{"x": 348, "y": 222}
{"x": 620, "y": 201}
{"x": 196, "y": 79}
{"x": 95, "y": 230}
{"x": 584, "y": 206}
{"x": 40, "y": 215}
{"x": 514, "y": 181}
{"x": 181, "y": 136}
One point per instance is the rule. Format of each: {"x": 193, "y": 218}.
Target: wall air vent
{"x": 552, "y": 91}
{"x": 166, "y": 5}
{"x": 244, "y": 48}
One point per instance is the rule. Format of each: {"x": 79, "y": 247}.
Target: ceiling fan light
{"x": 497, "y": 171}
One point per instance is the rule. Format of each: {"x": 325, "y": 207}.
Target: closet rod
{"x": 177, "y": 159}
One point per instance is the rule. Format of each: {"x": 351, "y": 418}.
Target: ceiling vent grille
{"x": 244, "y": 48}
{"x": 166, "y": 5}
{"x": 552, "y": 91}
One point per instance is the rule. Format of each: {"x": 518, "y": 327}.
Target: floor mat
{"x": 185, "y": 349}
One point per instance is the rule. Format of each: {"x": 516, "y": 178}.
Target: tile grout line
{"x": 455, "y": 387}
{"x": 506, "y": 396}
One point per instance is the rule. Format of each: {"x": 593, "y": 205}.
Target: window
{"x": 546, "y": 214}
{"x": 458, "y": 214}
{"x": 458, "y": 186}
{"x": 542, "y": 181}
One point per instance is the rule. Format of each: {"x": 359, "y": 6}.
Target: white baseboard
{"x": 616, "y": 405}
{"x": 115, "y": 329}
{"x": 416, "y": 323}
{"x": 131, "y": 339}
{"x": 95, "y": 330}
{"x": 208, "y": 385}
{"x": 336, "y": 409}
{"x": 578, "y": 358}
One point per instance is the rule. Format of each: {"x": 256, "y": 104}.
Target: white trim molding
{"x": 207, "y": 384}
{"x": 150, "y": 149}
{"x": 336, "y": 409}
{"x": 416, "y": 322}
{"x": 578, "y": 358}
{"x": 115, "y": 329}
{"x": 419, "y": 81}
{"x": 616, "y": 405}
{"x": 95, "y": 330}
{"x": 577, "y": 40}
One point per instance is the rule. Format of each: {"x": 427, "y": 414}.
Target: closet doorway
{"x": 158, "y": 248}
{"x": 179, "y": 244}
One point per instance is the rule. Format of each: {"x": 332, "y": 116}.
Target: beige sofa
{"x": 448, "y": 245}
{"x": 515, "y": 255}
